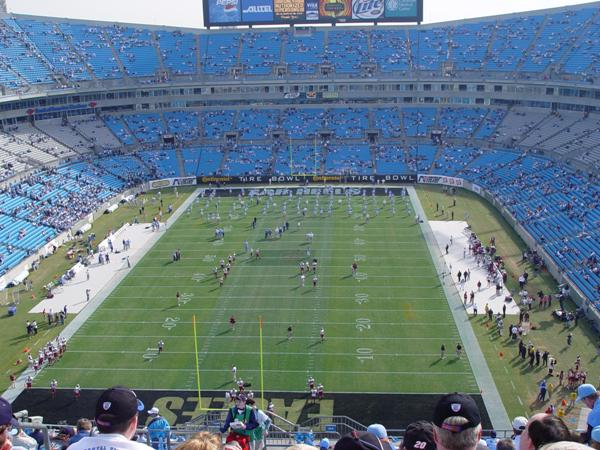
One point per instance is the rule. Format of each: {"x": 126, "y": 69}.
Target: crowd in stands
{"x": 39, "y": 51}
{"x": 454, "y": 423}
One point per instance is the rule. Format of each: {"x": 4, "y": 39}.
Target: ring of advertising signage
{"x": 289, "y": 12}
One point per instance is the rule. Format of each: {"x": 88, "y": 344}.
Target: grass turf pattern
{"x": 384, "y": 326}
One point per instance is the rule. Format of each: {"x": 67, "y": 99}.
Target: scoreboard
{"x": 287, "y": 12}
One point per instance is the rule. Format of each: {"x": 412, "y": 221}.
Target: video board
{"x": 286, "y": 12}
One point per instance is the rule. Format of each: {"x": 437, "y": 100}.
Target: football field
{"x": 383, "y": 325}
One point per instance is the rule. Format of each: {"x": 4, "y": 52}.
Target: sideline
{"x": 109, "y": 284}
{"x": 481, "y": 371}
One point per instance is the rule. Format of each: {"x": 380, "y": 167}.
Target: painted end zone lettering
{"x": 181, "y": 406}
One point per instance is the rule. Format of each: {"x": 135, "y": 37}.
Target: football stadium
{"x": 305, "y": 223}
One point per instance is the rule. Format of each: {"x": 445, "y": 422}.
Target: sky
{"x": 188, "y": 13}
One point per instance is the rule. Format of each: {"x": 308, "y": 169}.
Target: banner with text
{"x": 282, "y": 179}
{"x": 439, "y": 179}
{"x": 171, "y": 182}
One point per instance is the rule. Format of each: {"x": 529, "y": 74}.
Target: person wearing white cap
{"x": 588, "y": 394}
{"x": 379, "y": 430}
{"x": 518, "y": 424}
{"x": 158, "y": 429}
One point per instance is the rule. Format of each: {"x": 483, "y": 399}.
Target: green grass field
{"x": 383, "y": 327}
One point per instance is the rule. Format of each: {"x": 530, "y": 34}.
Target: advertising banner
{"x": 400, "y": 8}
{"x": 439, "y": 179}
{"x": 168, "y": 182}
{"x": 288, "y": 9}
{"x": 257, "y": 10}
{"x": 282, "y": 179}
{"x": 367, "y": 9}
{"x": 298, "y": 12}
{"x": 224, "y": 11}
{"x": 312, "y": 10}
{"x": 335, "y": 9}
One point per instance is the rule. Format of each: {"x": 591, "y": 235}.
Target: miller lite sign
{"x": 367, "y": 9}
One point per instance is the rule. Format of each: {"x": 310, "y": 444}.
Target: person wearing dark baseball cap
{"x": 359, "y": 440}
{"x": 418, "y": 436}
{"x": 117, "y": 419}
{"x": 456, "y": 423}
{"x": 7, "y": 423}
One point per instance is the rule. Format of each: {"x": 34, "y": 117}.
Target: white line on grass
{"x": 303, "y": 354}
{"x": 341, "y": 372}
{"x": 311, "y": 338}
{"x": 263, "y": 286}
{"x": 369, "y": 244}
{"x": 237, "y": 275}
{"x": 294, "y": 267}
{"x": 273, "y": 322}
{"x": 278, "y": 298}
{"x": 278, "y": 309}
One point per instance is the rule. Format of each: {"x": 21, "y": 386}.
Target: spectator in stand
{"x": 117, "y": 412}
{"x": 242, "y": 420}
{"x": 418, "y": 436}
{"x": 84, "y": 428}
{"x": 158, "y": 429}
{"x": 518, "y": 424}
{"x": 379, "y": 430}
{"x": 492, "y": 440}
{"x": 359, "y": 440}
{"x": 590, "y": 397}
{"x": 7, "y": 422}
{"x": 23, "y": 440}
{"x": 201, "y": 441}
{"x": 505, "y": 444}
{"x": 324, "y": 444}
{"x": 457, "y": 423}
{"x": 544, "y": 429}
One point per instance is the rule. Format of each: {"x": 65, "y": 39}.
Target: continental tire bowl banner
{"x": 298, "y": 179}
{"x": 291, "y": 12}
{"x": 439, "y": 179}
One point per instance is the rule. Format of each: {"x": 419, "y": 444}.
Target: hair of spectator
{"x": 202, "y": 441}
{"x": 548, "y": 429}
{"x": 505, "y": 444}
{"x": 466, "y": 439}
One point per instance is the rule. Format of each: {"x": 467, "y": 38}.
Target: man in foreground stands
{"x": 117, "y": 412}
{"x": 456, "y": 423}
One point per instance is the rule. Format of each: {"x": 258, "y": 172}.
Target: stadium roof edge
{"x": 202, "y": 30}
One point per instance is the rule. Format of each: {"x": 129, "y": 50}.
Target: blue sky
{"x": 188, "y": 13}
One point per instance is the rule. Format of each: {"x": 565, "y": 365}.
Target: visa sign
{"x": 367, "y": 9}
